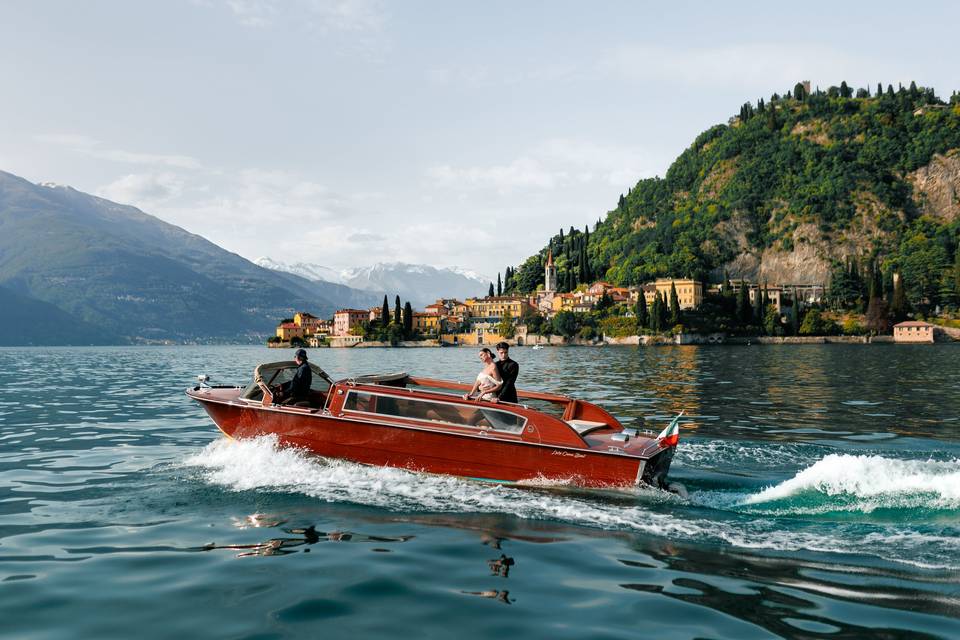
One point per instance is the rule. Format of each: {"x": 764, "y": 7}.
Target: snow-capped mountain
{"x": 421, "y": 284}
{"x": 316, "y": 272}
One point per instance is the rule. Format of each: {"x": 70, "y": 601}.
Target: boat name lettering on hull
{"x": 567, "y": 454}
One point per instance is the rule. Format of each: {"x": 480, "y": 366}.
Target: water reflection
{"x": 308, "y": 536}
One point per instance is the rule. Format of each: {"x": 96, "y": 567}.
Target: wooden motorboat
{"x": 425, "y": 424}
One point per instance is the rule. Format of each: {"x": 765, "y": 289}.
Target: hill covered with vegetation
{"x": 793, "y": 189}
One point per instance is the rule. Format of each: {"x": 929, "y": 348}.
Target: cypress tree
{"x": 490, "y": 290}
{"x": 643, "y": 316}
{"x": 499, "y": 285}
{"x": 407, "y": 319}
{"x": 795, "y": 316}
{"x": 655, "y": 313}
{"x": 772, "y": 123}
{"x": 744, "y": 311}
{"x": 397, "y": 319}
{"x": 758, "y": 308}
{"x": 899, "y": 304}
{"x": 674, "y": 306}
{"x": 664, "y": 313}
{"x": 385, "y": 312}
{"x": 879, "y": 89}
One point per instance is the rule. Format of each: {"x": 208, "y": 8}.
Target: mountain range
{"x": 78, "y": 269}
{"x": 419, "y": 283}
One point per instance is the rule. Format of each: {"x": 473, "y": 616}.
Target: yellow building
{"x": 425, "y": 322}
{"x": 689, "y": 292}
{"x": 481, "y": 333}
{"x": 286, "y": 331}
{"x": 564, "y": 302}
{"x": 494, "y": 308}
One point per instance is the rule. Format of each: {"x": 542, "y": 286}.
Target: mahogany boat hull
{"x": 477, "y": 456}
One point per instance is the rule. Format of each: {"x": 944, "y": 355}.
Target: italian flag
{"x": 670, "y": 436}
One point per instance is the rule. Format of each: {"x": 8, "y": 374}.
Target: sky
{"x": 349, "y": 132}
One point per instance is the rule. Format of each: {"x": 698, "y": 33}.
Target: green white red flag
{"x": 670, "y": 436}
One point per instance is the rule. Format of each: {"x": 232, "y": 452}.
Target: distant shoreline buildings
{"x": 493, "y": 318}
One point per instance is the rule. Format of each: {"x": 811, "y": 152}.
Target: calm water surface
{"x": 824, "y": 502}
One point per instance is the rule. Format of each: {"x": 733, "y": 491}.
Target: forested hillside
{"x": 793, "y": 188}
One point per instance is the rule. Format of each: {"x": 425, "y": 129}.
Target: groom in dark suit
{"x": 509, "y": 370}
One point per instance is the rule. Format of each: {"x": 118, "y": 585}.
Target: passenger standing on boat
{"x": 509, "y": 370}
{"x": 488, "y": 380}
{"x": 297, "y": 389}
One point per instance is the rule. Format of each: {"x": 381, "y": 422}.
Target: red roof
{"x": 913, "y": 323}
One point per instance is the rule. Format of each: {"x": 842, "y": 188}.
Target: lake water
{"x": 824, "y": 502}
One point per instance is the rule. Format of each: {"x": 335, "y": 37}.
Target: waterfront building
{"x": 426, "y": 322}
{"x": 344, "y": 320}
{"x": 494, "y": 308}
{"x": 913, "y": 331}
{"x": 689, "y": 292}
{"x": 287, "y": 331}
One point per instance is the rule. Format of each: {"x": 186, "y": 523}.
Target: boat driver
{"x": 297, "y": 389}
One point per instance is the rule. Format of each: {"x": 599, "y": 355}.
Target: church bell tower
{"x": 550, "y": 274}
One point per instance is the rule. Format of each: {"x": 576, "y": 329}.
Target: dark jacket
{"x": 509, "y": 370}
{"x": 299, "y": 387}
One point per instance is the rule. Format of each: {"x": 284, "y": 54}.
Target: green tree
{"x": 385, "y": 312}
{"x": 565, "y": 323}
{"x": 744, "y": 310}
{"x": 878, "y": 316}
{"x": 490, "y": 291}
{"x": 898, "y": 305}
{"x": 674, "y": 305}
{"x": 643, "y": 317}
{"x": 499, "y": 285}
{"x": 407, "y": 320}
{"x": 799, "y": 93}
{"x": 771, "y": 321}
{"x": 815, "y": 324}
{"x": 397, "y": 317}
{"x": 506, "y": 326}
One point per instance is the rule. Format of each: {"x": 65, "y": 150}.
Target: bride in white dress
{"x": 488, "y": 381}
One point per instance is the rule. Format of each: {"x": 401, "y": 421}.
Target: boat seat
{"x": 584, "y": 427}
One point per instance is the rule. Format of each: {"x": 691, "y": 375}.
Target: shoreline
{"x": 640, "y": 341}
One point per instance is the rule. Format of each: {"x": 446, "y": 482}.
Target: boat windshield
{"x": 275, "y": 373}
{"x": 460, "y": 415}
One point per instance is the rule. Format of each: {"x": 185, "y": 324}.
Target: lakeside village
{"x": 665, "y": 311}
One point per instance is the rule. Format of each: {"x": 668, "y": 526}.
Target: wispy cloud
{"x": 143, "y": 189}
{"x": 94, "y": 148}
{"x": 551, "y": 165}
{"x": 354, "y": 16}
{"x": 253, "y": 13}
